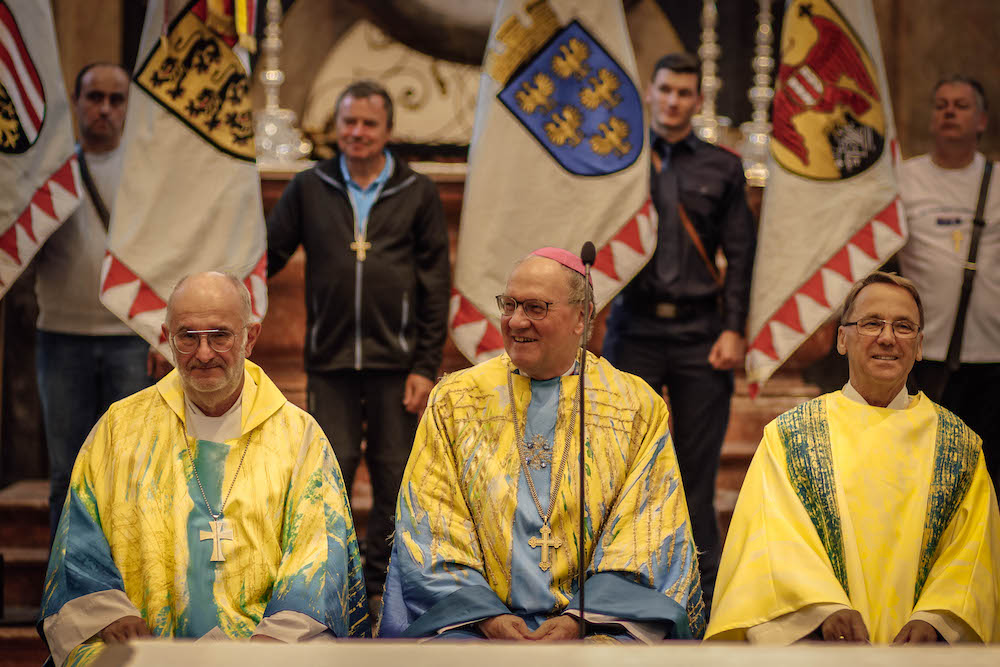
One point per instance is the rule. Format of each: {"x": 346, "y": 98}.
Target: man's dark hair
{"x": 881, "y": 278}
{"x": 977, "y": 88}
{"x": 680, "y": 62}
{"x": 362, "y": 89}
{"x": 86, "y": 68}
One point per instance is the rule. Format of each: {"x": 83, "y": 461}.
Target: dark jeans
{"x": 341, "y": 402}
{"x": 971, "y": 393}
{"x": 79, "y": 377}
{"x": 699, "y": 405}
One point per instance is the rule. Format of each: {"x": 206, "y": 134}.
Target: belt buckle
{"x": 666, "y": 310}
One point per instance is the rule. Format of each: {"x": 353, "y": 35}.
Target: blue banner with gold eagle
{"x": 559, "y": 156}
{"x": 579, "y": 104}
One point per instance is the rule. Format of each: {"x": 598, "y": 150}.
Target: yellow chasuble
{"x": 888, "y": 512}
{"x": 135, "y": 538}
{"x": 455, "y": 518}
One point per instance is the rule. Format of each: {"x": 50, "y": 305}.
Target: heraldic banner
{"x": 39, "y": 178}
{"x": 559, "y": 157}
{"x": 831, "y": 212}
{"x": 189, "y": 198}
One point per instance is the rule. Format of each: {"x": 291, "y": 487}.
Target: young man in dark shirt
{"x": 679, "y": 323}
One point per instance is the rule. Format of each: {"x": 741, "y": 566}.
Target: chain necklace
{"x": 546, "y": 541}
{"x": 217, "y": 526}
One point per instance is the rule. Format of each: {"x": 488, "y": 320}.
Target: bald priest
{"x": 487, "y": 530}
{"x": 206, "y": 505}
{"x": 867, "y": 514}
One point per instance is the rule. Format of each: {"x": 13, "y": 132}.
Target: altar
{"x": 504, "y": 654}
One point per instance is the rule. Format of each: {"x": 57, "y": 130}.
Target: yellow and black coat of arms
{"x": 194, "y": 74}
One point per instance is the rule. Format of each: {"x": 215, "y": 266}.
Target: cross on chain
{"x": 545, "y": 543}
{"x": 956, "y": 236}
{"x": 218, "y": 533}
{"x": 360, "y": 247}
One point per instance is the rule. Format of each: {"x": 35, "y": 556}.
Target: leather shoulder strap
{"x": 692, "y": 233}
{"x": 953, "y": 360}
{"x": 699, "y": 246}
{"x": 95, "y": 196}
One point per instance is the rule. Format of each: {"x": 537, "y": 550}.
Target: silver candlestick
{"x": 278, "y": 139}
{"x": 707, "y": 124}
{"x": 756, "y": 133}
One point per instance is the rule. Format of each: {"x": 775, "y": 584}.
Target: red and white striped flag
{"x": 39, "y": 176}
{"x": 559, "y": 157}
{"x": 831, "y": 211}
{"x": 189, "y": 198}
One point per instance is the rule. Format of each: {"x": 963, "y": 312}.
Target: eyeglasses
{"x": 534, "y": 309}
{"x": 872, "y": 326}
{"x": 220, "y": 340}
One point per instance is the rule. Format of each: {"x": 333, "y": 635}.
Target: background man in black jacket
{"x": 377, "y": 288}
{"x": 679, "y": 323}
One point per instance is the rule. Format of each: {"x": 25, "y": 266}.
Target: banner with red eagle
{"x": 39, "y": 177}
{"x": 831, "y": 212}
{"x": 559, "y": 157}
{"x": 189, "y": 198}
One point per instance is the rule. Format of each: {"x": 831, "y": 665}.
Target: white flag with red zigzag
{"x": 39, "y": 177}
{"x": 559, "y": 157}
{"x": 189, "y": 198}
{"x": 831, "y": 211}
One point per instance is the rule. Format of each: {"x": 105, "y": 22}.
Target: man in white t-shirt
{"x": 86, "y": 357}
{"x": 940, "y": 191}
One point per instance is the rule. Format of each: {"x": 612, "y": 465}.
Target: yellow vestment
{"x": 134, "y": 532}
{"x": 888, "y": 512}
{"x": 455, "y": 547}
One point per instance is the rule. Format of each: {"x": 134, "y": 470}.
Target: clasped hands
{"x": 513, "y": 628}
{"x": 847, "y": 625}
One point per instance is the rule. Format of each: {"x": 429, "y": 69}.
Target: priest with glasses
{"x": 867, "y": 514}
{"x": 487, "y": 523}
{"x": 205, "y": 505}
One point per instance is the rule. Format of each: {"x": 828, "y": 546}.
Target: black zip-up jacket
{"x": 400, "y": 291}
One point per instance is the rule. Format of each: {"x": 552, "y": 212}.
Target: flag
{"x": 831, "y": 211}
{"x": 39, "y": 176}
{"x": 559, "y": 156}
{"x": 189, "y": 198}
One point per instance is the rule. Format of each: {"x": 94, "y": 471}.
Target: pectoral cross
{"x": 956, "y": 236}
{"x": 545, "y": 543}
{"x": 218, "y": 533}
{"x": 360, "y": 247}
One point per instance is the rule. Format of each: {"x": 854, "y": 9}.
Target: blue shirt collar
{"x": 379, "y": 180}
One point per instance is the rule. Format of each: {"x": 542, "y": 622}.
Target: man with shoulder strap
{"x": 86, "y": 357}
{"x": 679, "y": 323}
{"x": 377, "y": 289}
{"x": 952, "y": 206}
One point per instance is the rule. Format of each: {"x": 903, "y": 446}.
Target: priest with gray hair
{"x": 207, "y": 505}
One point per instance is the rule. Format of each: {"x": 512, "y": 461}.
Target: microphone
{"x": 588, "y": 254}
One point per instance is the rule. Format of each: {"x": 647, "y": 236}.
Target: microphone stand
{"x": 587, "y": 255}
